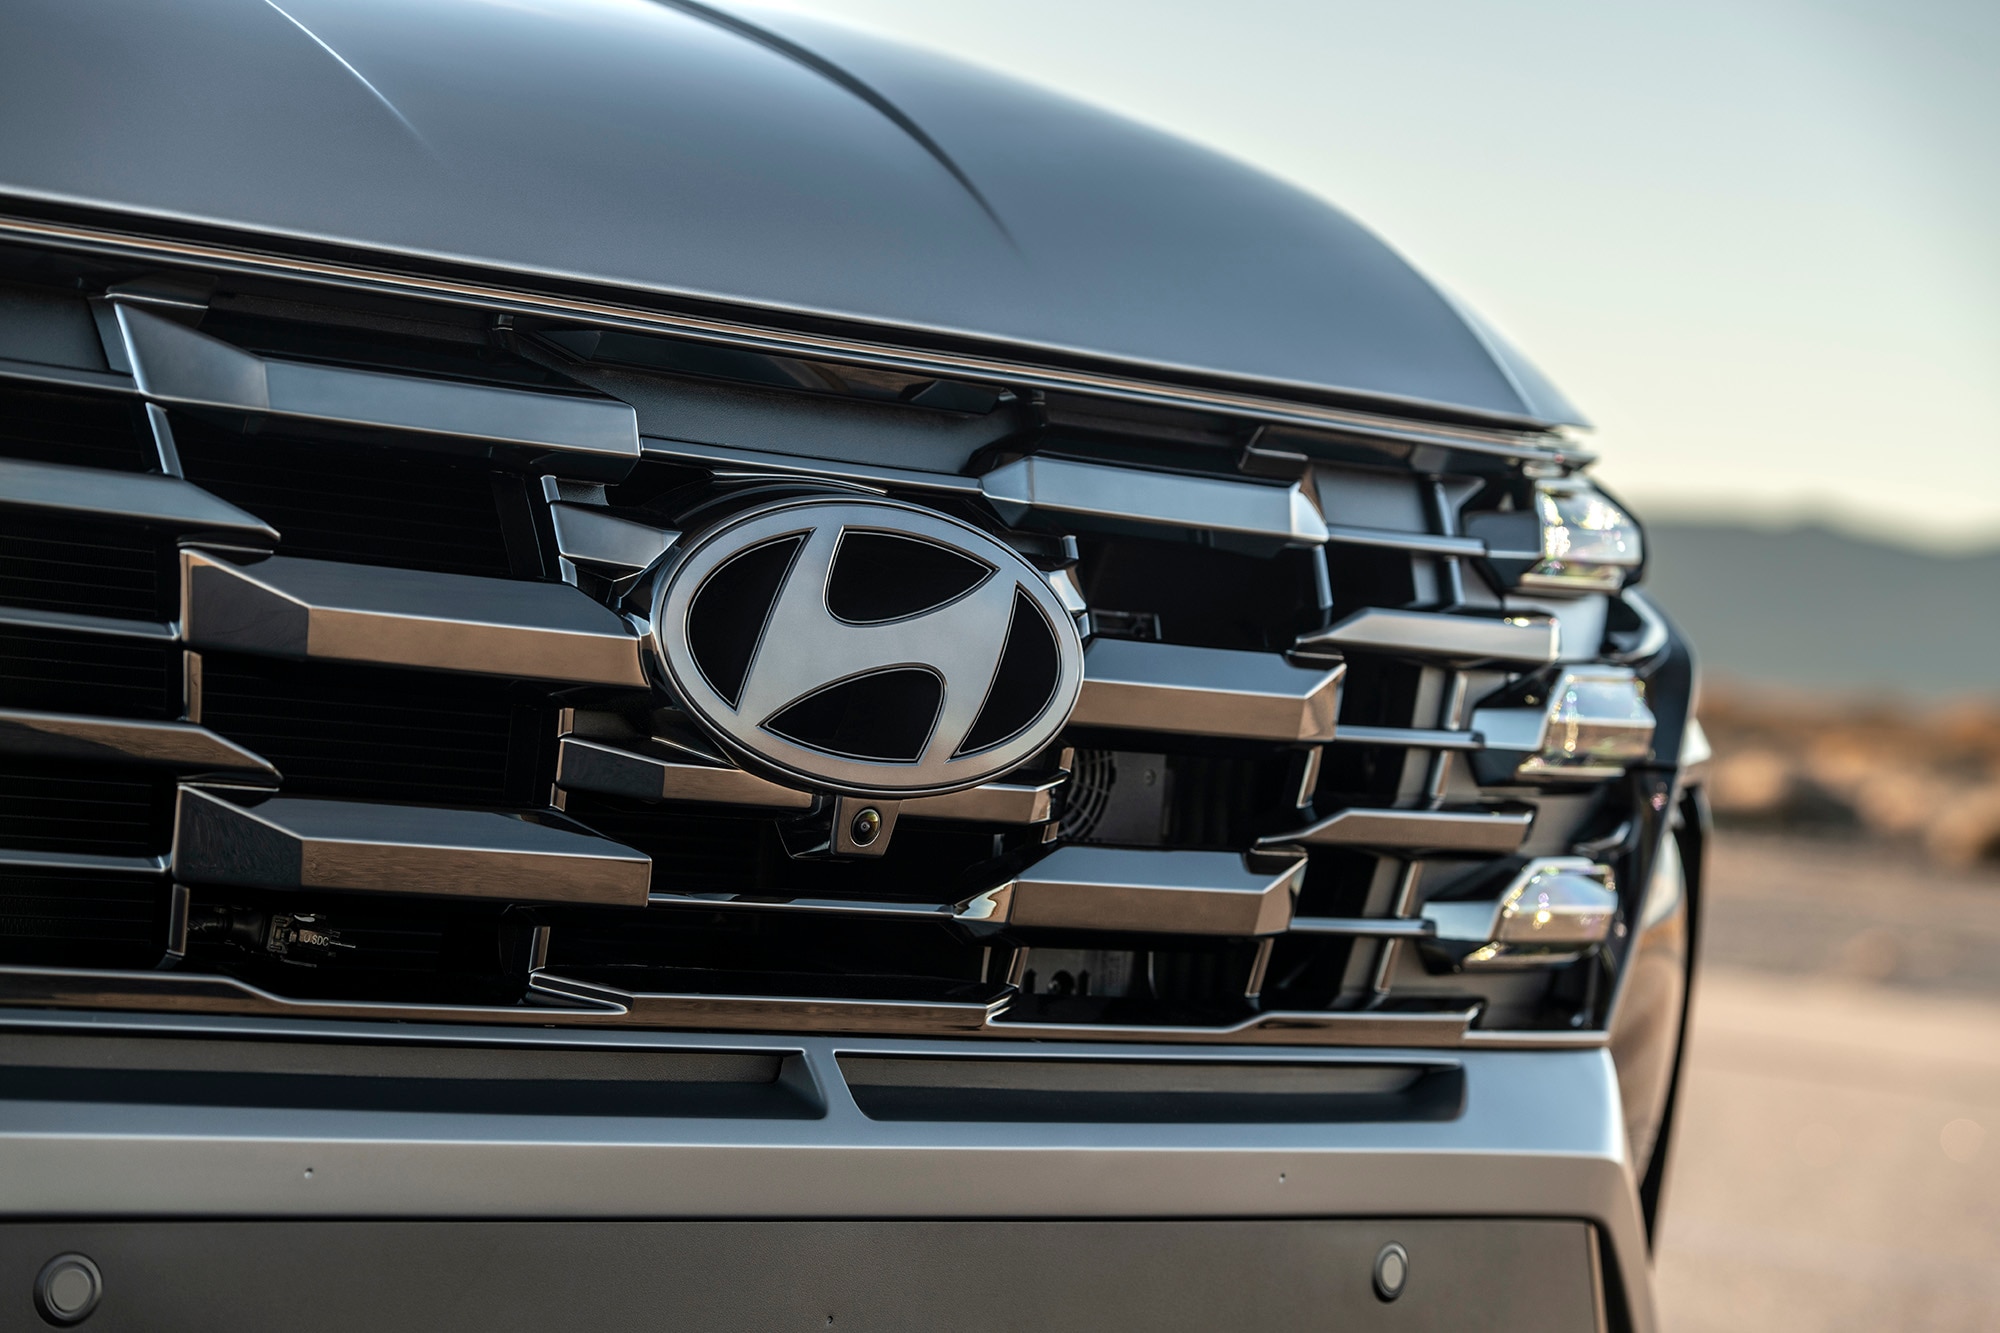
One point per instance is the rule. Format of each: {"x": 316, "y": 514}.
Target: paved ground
{"x": 1838, "y": 1166}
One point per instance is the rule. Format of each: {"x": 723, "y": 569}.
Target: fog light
{"x": 1554, "y": 911}
{"x": 1584, "y": 724}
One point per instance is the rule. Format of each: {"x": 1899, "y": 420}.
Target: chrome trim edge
{"x": 1436, "y": 634}
{"x": 1070, "y": 490}
{"x": 1177, "y": 689}
{"x": 1511, "y": 441}
{"x": 1496, "y": 832}
{"x": 139, "y": 497}
{"x": 293, "y": 842}
{"x": 175, "y": 363}
{"x": 181, "y": 746}
{"x": 1079, "y": 887}
{"x": 287, "y": 607}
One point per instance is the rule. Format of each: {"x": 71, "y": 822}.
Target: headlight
{"x": 1554, "y": 911}
{"x": 1575, "y": 540}
{"x": 1581, "y": 724}
{"x": 1588, "y": 543}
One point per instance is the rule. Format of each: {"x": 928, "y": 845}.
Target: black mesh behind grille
{"x": 355, "y": 503}
{"x": 735, "y": 953}
{"x": 692, "y": 853}
{"x": 371, "y": 733}
{"x": 83, "y": 673}
{"x": 1378, "y": 691}
{"x": 1226, "y": 800}
{"x": 56, "y": 807}
{"x": 79, "y": 429}
{"x": 1362, "y": 576}
{"x": 1337, "y": 882}
{"x": 414, "y": 951}
{"x": 1184, "y": 981}
{"x": 1200, "y": 595}
{"x": 60, "y": 919}
{"x": 63, "y": 563}
{"x": 1309, "y": 971}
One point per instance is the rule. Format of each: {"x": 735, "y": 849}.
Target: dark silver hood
{"x": 757, "y": 158}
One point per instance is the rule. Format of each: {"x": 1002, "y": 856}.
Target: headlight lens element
{"x": 1598, "y": 722}
{"x": 1590, "y": 723}
{"x": 1589, "y": 544}
{"x": 1554, "y": 911}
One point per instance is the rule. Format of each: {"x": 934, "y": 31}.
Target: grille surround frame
{"x": 1385, "y": 437}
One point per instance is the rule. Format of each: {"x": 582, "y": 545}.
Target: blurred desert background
{"x": 1838, "y": 1163}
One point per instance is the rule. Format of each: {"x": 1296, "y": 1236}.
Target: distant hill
{"x": 1818, "y": 608}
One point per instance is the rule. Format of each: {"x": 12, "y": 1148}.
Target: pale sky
{"x": 1753, "y": 239}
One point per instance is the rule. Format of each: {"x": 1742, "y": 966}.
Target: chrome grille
{"x": 371, "y": 578}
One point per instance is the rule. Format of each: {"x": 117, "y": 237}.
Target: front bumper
{"x": 1539, "y": 1135}
{"x": 1043, "y": 1275}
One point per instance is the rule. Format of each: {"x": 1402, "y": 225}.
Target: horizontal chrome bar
{"x": 545, "y": 988}
{"x": 1166, "y": 892}
{"x": 1370, "y": 927}
{"x": 184, "y": 992}
{"x": 786, "y": 1013}
{"x": 295, "y": 843}
{"x": 37, "y": 372}
{"x": 1392, "y": 539}
{"x": 1435, "y": 634}
{"x": 138, "y": 496}
{"x": 1084, "y": 888}
{"x": 181, "y": 746}
{"x": 589, "y": 1005}
{"x": 725, "y": 458}
{"x": 558, "y": 999}
{"x": 1095, "y": 491}
{"x": 1414, "y": 738}
{"x": 137, "y": 865}
{"x": 285, "y": 607}
{"x": 1505, "y": 438}
{"x": 663, "y": 774}
{"x": 657, "y": 769}
{"x": 815, "y": 906}
{"x": 992, "y": 803}
{"x": 1290, "y": 1027}
{"x": 70, "y": 622}
{"x": 1490, "y": 831}
{"x": 174, "y": 363}
{"x": 1187, "y": 691}
{"x": 194, "y": 992}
